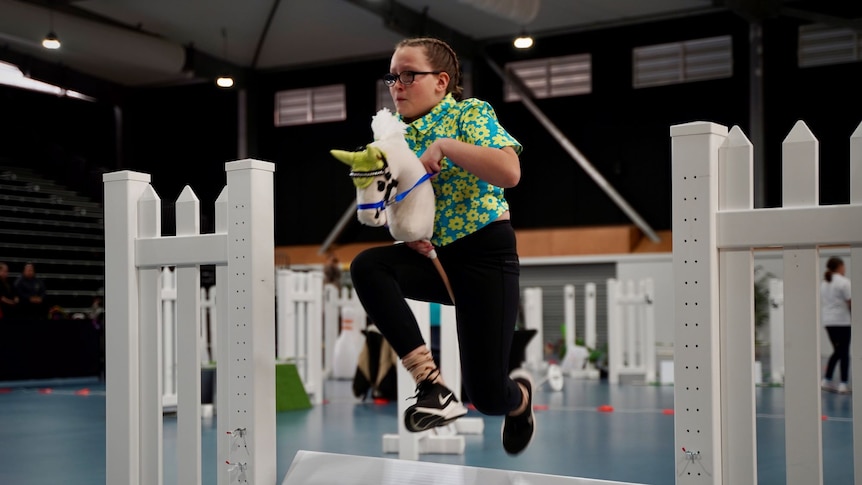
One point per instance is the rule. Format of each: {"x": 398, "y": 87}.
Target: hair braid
{"x": 442, "y": 58}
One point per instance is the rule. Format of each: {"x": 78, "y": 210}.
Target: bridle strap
{"x": 382, "y": 204}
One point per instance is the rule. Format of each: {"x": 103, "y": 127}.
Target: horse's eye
{"x": 381, "y": 185}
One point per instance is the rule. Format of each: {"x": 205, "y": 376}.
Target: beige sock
{"x": 523, "y": 407}
{"x": 420, "y": 363}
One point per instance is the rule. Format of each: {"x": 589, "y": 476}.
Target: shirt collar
{"x": 425, "y": 123}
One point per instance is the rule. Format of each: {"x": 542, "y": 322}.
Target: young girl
{"x": 473, "y": 159}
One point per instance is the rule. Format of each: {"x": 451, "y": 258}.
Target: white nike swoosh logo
{"x": 443, "y": 399}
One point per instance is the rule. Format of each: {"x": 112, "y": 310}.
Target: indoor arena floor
{"x": 58, "y": 437}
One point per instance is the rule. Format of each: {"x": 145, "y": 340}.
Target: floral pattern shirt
{"x": 465, "y": 203}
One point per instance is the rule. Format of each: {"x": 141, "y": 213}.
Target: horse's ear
{"x": 344, "y": 156}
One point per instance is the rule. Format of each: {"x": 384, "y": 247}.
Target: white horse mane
{"x": 384, "y": 125}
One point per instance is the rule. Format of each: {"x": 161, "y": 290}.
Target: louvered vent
{"x": 680, "y": 62}
{"x": 312, "y": 105}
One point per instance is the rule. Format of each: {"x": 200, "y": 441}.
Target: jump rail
{"x": 715, "y": 229}
{"x": 241, "y": 248}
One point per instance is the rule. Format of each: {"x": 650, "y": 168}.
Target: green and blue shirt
{"x": 465, "y": 203}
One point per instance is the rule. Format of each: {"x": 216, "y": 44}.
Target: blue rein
{"x": 382, "y": 204}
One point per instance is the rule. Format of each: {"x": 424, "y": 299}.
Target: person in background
{"x": 332, "y": 270}
{"x": 8, "y": 298}
{"x": 835, "y": 317}
{"x": 474, "y": 159}
{"x": 31, "y": 293}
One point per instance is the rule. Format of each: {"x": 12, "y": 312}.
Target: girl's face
{"x": 419, "y": 97}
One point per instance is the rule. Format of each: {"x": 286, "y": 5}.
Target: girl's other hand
{"x": 422, "y": 247}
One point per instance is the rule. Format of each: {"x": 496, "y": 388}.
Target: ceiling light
{"x": 224, "y": 81}
{"x": 523, "y": 41}
{"x": 51, "y": 41}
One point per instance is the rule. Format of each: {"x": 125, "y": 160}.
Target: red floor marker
{"x": 605, "y": 408}
{"x": 380, "y": 401}
{"x": 46, "y": 390}
{"x": 667, "y": 411}
{"x": 540, "y": 407}
{"x": 5, "y": 390}
{"x": 823, "y": 418}
{"x": 82, "y": 392}
{"x": 471, "y": 406}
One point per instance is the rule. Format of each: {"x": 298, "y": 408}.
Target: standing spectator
{"x": 835, "y": 316}
{"x": 332, "y": 270}
{"x": 8, "y": 299}
{"x": 31, "y": 293}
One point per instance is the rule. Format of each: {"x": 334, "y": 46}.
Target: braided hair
{"x": 442, "y": 58}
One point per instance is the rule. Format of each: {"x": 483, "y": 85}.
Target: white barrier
{"x": 207, "y": 340}
{"x": 631, "y": 329}
{"x": 241, "y": 248}
{"x": 534, "y": 355}
{"x": 715, "y": 229}
{"x": 299, "y": 326}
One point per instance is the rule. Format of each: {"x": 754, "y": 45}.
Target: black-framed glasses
{"x": 406, "y": 77}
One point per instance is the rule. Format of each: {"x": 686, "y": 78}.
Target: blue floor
{"x": 59, "y": 437}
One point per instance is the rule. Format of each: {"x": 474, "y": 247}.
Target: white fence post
{"x": 715, "y": 232}
{"x": 534, "y": 356}
{"x": 631, "y": 329}
{"x": 299, "y": 328}
{"x": 590, "y": 315}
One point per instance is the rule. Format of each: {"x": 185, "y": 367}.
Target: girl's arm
{"x": 497, "y": 166}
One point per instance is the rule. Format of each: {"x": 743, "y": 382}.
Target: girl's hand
{"x": 433, "y": 155}
{"x": 421, "y": 247}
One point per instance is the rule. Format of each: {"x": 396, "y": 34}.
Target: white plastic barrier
{"x": 206, "y": 337}
{"x": 299, "y": 326}
{"x": 715, "y": 231}
{"x": 135, "y": 253}
{"x": 534, "y": 356}
{"x": 576, "y": 363}
{"x": 631, "y": 329}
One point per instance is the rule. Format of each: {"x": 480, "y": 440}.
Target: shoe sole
{"x": 835, "y": 390}
{"x": 422, "y": 421}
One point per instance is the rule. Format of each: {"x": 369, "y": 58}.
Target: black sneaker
{"x": 518, "y": 430}
{"x": 435, "y": 406}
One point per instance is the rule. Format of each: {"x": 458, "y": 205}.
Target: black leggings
{"x": 840, "y": 338}
{"x": 483, "y": 270}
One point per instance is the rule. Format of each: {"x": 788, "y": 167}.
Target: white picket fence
{"x": 135, "y": 254}
{"x": 631, "y": 328}
{"x": 207, "y": 340}
{"x": 715, "y": 231}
